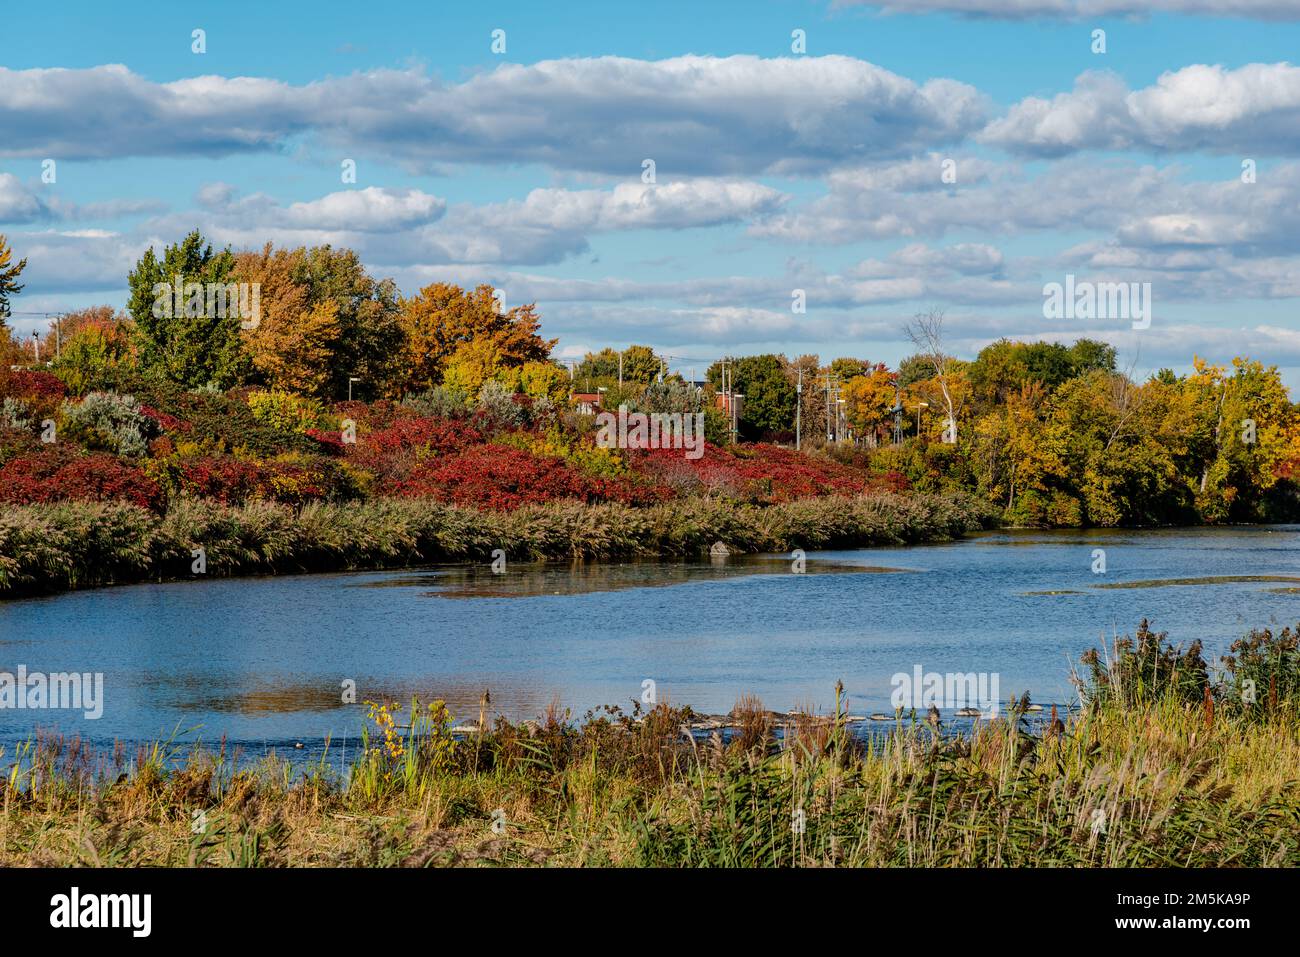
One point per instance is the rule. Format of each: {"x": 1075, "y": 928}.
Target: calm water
{"x": 262, "y": 660}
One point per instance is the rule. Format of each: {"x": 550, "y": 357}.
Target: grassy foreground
{"x": 1160, "y": 767}
{"x": 83, "y": 544}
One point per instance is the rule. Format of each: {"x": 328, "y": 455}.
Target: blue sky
{"x": 775, "y": 171}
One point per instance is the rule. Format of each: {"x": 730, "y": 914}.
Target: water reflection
{"x": 529, "y": 579}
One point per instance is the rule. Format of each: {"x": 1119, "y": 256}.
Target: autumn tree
{"x": 539, "y": 380}
{"x": 442, "y": 318}
{"x": 869, "y": 402}
{"x": 370, "y": 343}
{"x": 293, "y": 344}
{"x": 9, "y": 286}
{"x": 95, "y": 350}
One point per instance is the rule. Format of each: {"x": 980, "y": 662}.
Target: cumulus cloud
{"x": 1252, "y": 110}
{"x": 76, "y": 261}
{"x": 909, "y": 200}
{"x": 1134, "y": 206}
{"x": 372, "y": 209}
{"x": 404, "y": 226}
{"x": 694, "y": 115}
{"x": 19, "y": 203}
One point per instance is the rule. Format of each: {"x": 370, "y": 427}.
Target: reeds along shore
{"x": 1162, "y": 766}
{"x": 46, "y": 548}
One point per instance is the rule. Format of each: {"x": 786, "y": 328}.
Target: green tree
{"x": 769, "y": 395}
{"x": 188, "y": 342}
{"x": 9, "y": 273}
{"x": 640, "y": 366}
{"x": 848, "y": 369}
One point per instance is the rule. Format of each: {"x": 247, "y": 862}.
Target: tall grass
{"x": 80, "y": 544}
{"x": 1156, "y": 780}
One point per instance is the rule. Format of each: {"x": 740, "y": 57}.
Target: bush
{"x": 56, "y": 475}
{"x": 115, "y": 423}
{"x": 495, "y": 476}
{"x": 500, "y": 408}
{"x": 32, "y": 384}
{"x": 216, "y": 423}
{"x": 14, "y": 414}
{"x": 285, "y": 411}
{"x": 221, "y": 478}
{"x": 439, "y": 403}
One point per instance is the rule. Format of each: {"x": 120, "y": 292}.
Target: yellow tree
{"x": 294, "y": 351}
{"x": 94, "y": 346}
{"x": 441, "y": 318}
{"x": 473, "y": 364}
{"x": 294, "y": 342}
{"x": 540, "y": 380}
{"x": 869, "y": 401}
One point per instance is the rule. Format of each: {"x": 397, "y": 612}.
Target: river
{"x": 265, "y": 661}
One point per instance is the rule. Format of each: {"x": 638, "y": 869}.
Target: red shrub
{"x": 760, "y": 473}
{"x": 393, "y": 452}
{"x": 233, "y": 481}
{"x": 169, "y": 423}
{"x": 331, "y": 443}
{"x": 501, "y": 477}
{"x": 890, "y": 481}
{"x": 222, "y": 478}
{"x": 30, "y": 384}
{"x": 62, "y": 475}
{"x": 372, "y": 416}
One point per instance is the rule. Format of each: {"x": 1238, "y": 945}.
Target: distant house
{"x": 726, "y": 401}
{"x": 588, "y": 403}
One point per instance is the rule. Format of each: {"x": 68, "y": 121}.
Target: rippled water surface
{"x": 262, "y": 660}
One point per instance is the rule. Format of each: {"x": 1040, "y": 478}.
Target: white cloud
{"x": 18, "y": 203}
{"x": 694, "y": 115}
{"x": 1252, "y": 110}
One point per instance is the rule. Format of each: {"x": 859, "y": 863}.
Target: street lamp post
{"x": 919, "y": 407}
{"x": 351, "y": 379}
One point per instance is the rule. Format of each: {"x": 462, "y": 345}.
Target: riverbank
{"x": 1164, "y": 766}
{"x": 58, "y": 547}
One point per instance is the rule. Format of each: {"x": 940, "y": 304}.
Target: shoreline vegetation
{"x": 1164, "y": 764}
{"x": 72, "y": 545}
{"x": 344, "y": 393}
